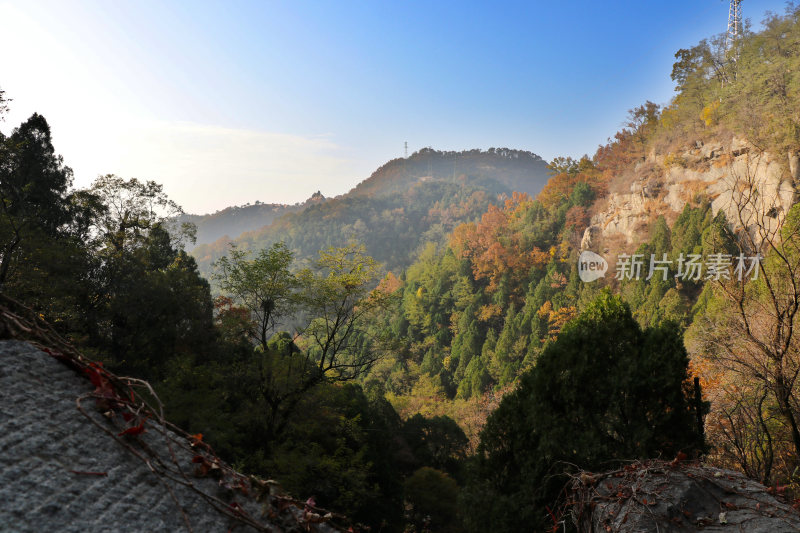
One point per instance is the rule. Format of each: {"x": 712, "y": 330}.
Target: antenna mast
{"x": 406, "y": 149}
{"x": 734, "y": 22}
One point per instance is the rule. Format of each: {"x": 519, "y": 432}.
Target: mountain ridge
{"x": 402, "y": 203}
{"x": 237, "y": 219}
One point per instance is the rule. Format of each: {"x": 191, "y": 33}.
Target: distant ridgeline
{"x": 402, "y": 205}
{"x": 233, "y": 221}
{"x": 517, "y": 170}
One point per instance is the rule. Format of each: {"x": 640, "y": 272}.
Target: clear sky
{"x": 231, "y": 102}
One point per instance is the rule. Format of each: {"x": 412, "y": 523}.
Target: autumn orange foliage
{"x": 495, "y": 245}
{"x": 389, "y": 284}
{"x": 577, "y": 218}
{"x": 556, "y": 318}
{"x": 558, "y": 188}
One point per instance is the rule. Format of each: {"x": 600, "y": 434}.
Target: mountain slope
{"x": 517, "y": 170}
{"x": 401, "y": 205}
{"x": 713, "y": 174}
{"x": 233, "y": 221}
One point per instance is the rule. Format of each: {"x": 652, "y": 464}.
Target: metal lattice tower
{"x": 734, "y": 22}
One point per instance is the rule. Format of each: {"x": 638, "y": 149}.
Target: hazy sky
{"x": 231, "y": 102}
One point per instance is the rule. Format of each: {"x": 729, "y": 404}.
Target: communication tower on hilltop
{"x": 734, "y": 22}
{"x": 406, "y": 149}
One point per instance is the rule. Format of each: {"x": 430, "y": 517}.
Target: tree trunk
{"x": 698, "y": 411}
{"x": 788, "y": 414}
{"x": 5, "y": 261}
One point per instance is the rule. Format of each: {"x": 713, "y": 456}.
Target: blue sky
{"x": 228, "y": 103}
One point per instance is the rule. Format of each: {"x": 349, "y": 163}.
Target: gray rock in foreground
{"x": 60, "y": 472}
{"x": 657, "y": 496}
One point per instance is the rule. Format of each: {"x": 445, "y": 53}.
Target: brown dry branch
{"x": 755, "y": 345}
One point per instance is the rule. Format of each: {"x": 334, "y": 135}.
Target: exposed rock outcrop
{"x": 658, "y": 496}
{"x": 590, "y": 237}
{"x": 663, "y": 184}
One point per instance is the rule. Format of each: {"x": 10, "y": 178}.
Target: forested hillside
{"x": 231, "y": 222}
{"x": 517, "y": 170}
{"x": 404, "y": 204}
{"x": 479, "y": 312}
{"x": 422, "y": 353}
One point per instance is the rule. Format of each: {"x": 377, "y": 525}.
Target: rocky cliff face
{"x": 664, "y": 183}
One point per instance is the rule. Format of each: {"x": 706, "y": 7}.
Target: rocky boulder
{"x": 676, "y": 497}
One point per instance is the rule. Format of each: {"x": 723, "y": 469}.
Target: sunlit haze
{"x": 229, "y": 103}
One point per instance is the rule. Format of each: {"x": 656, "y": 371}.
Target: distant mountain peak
{"x": 404, "y": 203}
{"x": 519, "y": 170}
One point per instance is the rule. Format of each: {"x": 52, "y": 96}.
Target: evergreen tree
{"x": 605, "y": 391}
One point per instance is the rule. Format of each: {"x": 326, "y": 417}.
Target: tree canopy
{"x": 604, "y": 391}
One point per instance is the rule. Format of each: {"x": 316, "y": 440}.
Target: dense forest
{"x": 426, "y": 358}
